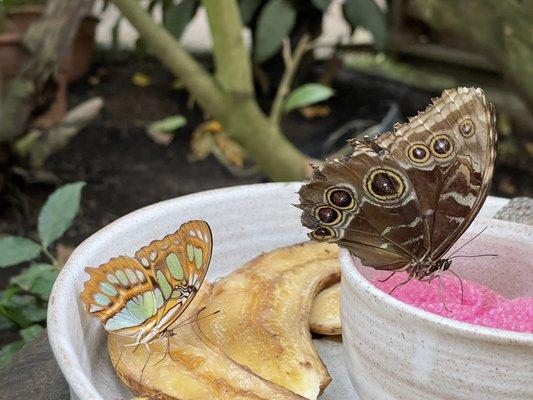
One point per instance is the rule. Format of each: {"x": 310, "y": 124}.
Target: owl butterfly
{"x": 141, "y": 297}
{"x": 403, "y": 198}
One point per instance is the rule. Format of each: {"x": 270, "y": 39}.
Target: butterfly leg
{"x": 119, "y": 358}
{"x": 441, "y": 292}
{"x": 167, "y": 351}
{"x": 387, "y": 278}
{"x": 146, "y": 363}
{"x": 136, "y": 347}
{"x": 411, "y": 276}
{"x": 461, "y": 283}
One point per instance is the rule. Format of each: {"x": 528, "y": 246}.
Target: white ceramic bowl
{"x": 396, "y": 351}
{"x": 245, "y": 220}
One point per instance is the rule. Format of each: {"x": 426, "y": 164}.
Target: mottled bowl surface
{"x": 396, "y": 351}
{"x": 245, "y": 220}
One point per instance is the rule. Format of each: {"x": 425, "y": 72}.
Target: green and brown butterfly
{"x": 142, "y": 296}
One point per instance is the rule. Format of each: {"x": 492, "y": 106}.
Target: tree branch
{"x": 232, "y": 60}
{"x": 230, "y": 99}
{"x": 168, "y": 50}
{"x": 291, "y": 66}
{"x": 48, "y": 41}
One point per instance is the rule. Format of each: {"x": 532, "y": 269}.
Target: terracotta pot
{"x": 10, "y": 55}
{"x": 77, "y": 61}
{"x": 73, "y": 67}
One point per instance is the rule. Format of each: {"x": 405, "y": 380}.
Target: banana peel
{"x": 325, "y": 317}
{"x": 193, "y": 369}
{"x": 263, "y": 315}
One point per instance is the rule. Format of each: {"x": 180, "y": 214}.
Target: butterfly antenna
{"x": 461, "y": 283}
{"x": 136, "y": 347}
{"x": 441, "y": 292}
{"x": 469, "y": 241}
{"x": 195, "y": 318}
{"x": 387, "y": 278}
{"x": 474, "y": 255}
{"x": 401, "y": 283}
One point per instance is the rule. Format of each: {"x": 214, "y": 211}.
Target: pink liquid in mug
{"x": 481, "y": 305}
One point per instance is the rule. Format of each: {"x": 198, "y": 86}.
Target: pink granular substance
{"x": 480, "y": 305}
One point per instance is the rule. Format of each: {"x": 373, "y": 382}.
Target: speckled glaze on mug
{"x": 395, "y": 351}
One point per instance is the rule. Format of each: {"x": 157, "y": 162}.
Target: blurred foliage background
{"x": 179, "y": 96}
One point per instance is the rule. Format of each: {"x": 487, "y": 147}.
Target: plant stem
{"x": 229, "y": 101}
{"x": 168, "y": 50}
{"x": 291, "y": 66}
{"x": 50, "y": 257}
{"x": 232, "y": 60}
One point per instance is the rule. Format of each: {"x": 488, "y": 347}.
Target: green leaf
{"x": 321, "y": 4}
{"x": 15, "y": 249}
{"x": 5, "y": 324}
{"x": 177, "y": 16}
{"x": 366, "y": 13}
{"x": 307, "y": 94}
{"x": 58, "y": 212}
{"x": 29, "y": 333}
{"x": 248, "y": 9}
{"x": 33, "y": 313}
{"x": 275, "y": 22}
{"x": 21, "y": 310}
{"x": 168, "y": 124}
{"x": 7, "y": 352}
{"x": 37, "y": 279}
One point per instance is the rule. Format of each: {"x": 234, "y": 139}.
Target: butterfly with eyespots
{"x": 142, "y": 296}
{"x": 403, "y": 198}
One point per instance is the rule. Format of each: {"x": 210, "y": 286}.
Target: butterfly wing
{"x": 367, "y": 204}
{"x": 179, "y": 263}
{"x": 443, "y": 158}
{"x": 143, "y": 296}
{"x": 123, "y": 295}
{"x": 455, "y": 140}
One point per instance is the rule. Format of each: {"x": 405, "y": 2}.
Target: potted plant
{"x": 18, "y": 16}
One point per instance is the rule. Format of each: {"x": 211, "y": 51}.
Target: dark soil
{"x": 125, "y": 170}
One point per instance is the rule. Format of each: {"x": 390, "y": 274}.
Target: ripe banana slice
{"x": 194, "y": 369}
{"x": 325, "y": 317}
{"x": 263, "y": 318}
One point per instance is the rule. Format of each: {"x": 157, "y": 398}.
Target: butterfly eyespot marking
{"x": 340, "y": 197}
{"x": 328, "y": 215}
{"x": 467, "y": 127}
{"x": 441, "y": 146}
{"x": 323, "y": 233}
{"x": 418, "y": 153}
{"x": 385, "y": 184}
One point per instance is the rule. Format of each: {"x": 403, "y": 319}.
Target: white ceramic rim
{"x": 66, "y": 356}
{"x": 350, "y": 272}
{"x": 63, "y": 350}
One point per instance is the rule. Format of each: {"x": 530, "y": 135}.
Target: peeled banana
{"x": 263, "y": 315}
{"x": 251, "y": 342}
{"x": 193, "y": 369}
{"x": 325, "y": 317}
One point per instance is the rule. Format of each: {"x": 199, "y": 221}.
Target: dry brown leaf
{"x": 263, "y": 319}
{"x": 325, "y": 317}
{"x": 230, "y": 149}
{"x": 141, "y": 79}
{"x": 202, "y": 139}
{"x": 310, "y": 112}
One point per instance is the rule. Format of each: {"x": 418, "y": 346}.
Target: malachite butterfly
{"x": 142, "y": 296}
